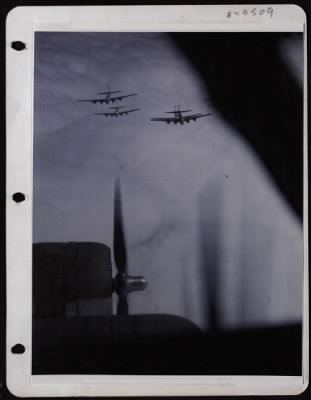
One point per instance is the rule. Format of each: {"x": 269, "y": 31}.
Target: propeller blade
{"x": 122, "y": 308}
{"x": 119, "y": 247}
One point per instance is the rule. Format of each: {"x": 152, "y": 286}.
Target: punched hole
{"x": 18, "y": 45}
{"x": 18, "y": 349}
{"x": 18, "y": 197}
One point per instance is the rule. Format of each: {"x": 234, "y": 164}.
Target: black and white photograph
{"x": 167, "y": 203}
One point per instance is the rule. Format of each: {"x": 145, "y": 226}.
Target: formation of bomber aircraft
{"x": 119, "y": 111}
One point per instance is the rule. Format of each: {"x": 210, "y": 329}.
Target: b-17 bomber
{"x": 110, "y": 97}
{"x": 179, "y": 118}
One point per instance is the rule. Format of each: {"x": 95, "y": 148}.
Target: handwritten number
{"x": 253, "y": 12}
{"x": 270, "y": 11}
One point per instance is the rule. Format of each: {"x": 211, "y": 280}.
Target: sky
{"x": 198, "y": 205}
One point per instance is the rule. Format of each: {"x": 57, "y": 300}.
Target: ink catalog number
{"x": 251, "y": 12}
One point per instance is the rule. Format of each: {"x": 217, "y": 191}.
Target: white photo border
{"x": 22, "y": 23}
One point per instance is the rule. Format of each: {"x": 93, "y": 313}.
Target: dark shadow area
{"x": 253, "y": 89}
{"x": 66, "y": 274}
{"x": 161, "y": 344}
{"x": 67, "y": 342}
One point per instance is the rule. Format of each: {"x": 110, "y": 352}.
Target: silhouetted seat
{"x": 67, "y": 275}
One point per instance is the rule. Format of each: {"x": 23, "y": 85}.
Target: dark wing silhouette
{"x": 128, "y": 111}
{"x": 194, "y": 117}
{"x": 107, "y": 114}
{"x": 94, "y": 101}
{"x": 110, "y": 92}
{"x": 164, "y": 119}
{"x": 122, "y": 97}
{"x": 174, "y": 112}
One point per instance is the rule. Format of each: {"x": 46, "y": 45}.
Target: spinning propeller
{"x": 123, "y": 283}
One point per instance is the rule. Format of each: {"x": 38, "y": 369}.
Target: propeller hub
{"x": 125, "y": 284}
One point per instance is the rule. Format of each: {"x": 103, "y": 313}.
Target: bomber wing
{"x": 110, "y": 92}
{"x": 194, "y": 117}
{"x": 121, "y": 97}
{"x": 128, "y": 111}
{"x": 107, "y": 114}
{"x": 94, "y": 101}
{"x": 164, "y": 119}
{"x": 116, "y": 113}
